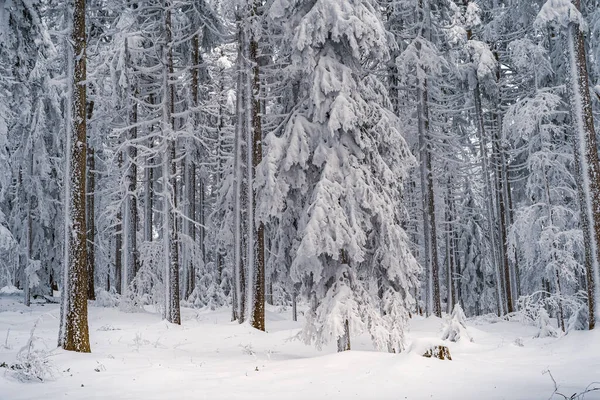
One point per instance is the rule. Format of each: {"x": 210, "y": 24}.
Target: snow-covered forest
{"x": 241, "y": 184}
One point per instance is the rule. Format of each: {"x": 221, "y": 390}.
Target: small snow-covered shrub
{"x": 579, "y": 320}
{"x": 106, "y": 328}
{"x": 455, "y": 326}
{"x": 33, "y": 360}
{"x": 107, "y": 299}
{"x": 545, "y": 328}
{"x": 573, "y": 307}
{"x": 131, "y": 301}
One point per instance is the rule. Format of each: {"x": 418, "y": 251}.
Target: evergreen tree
{"x": 342, "y": 159}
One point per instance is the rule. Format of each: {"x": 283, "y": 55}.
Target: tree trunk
{"x": 119, "y": 254}
{"x": 238, "y": 259}
{"x": 586, "y": 150}
{"x": 119, "y": 244}
{"x": 169, "y": 181}
{"x": 488, "y": 195}
{"x": 90, "y": 211}
{"x": 91, "y": 223}
{"x": 502, "y": 214}
{"x": 148, "y": 194}
{"x": 29, "y": 239}
{"x": 190, "y": 167}
{"x": 294, "y": 306}
{"x": 74, "y": 332}
{"x": 258, "y": 259}
{"x": 130, "y": 254}
{"x": 343, "y": 342}
{"x": 432, "y": 292}
{"x": 450, "y": 250}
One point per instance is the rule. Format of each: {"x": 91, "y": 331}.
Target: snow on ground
{"x": 138, "y": 356}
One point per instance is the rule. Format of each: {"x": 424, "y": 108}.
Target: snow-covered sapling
{"x": 33, "y": 360}
{"x": 455, "y": 326}
{"x": 545, "y": 325}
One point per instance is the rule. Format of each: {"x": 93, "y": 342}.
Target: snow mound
{"x": 106, "y": 299}
{"x": 10, "y": 290}
{"x": 423, "y": 345}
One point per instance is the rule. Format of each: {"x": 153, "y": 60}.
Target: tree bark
{"x": 131, "y": 214}
{"x": 586, "y": 150}
{"x": 119, "y": 244}
{"x": 169, "y": 181}
{"x": 75, "y": 333}
{"x": 343, "y": 342}
{"x": 258, "y": 280}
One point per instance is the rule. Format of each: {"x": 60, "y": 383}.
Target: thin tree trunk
{"x": 503, "y": 246}
{"x": 450, "y": 252}
{"x": 29, "y": 238}
{"x": 294, "y": 306}
{"x": 258, "y": 259}
{"x": 130, "y": 250}
{"x": 238, "y": 260}
{"x": 90, "y": 212}
{"x": 425, "y": 210}
{"x": 488, "y": 195}
{"x": 169, "y": 182}
{"x": 432, "y": 291}
{"x": 148, "y": 195}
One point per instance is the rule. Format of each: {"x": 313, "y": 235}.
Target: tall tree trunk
{"x": 130, "y": 254}
{"x": 148, "y": 193}
{"x": 74, "y": 334}
{"x": 502, "y": 214}
{"x": 239, "y": 187}
{"x": 586, "y": 150}
{"x": 90, "y": 211}
{"x": 432, "y": 291}
{"x": 119, "y": 244}
{"x": 488, "y": 196}
{"x": 29, "y": 238}
{"x": 190, "y": 168}
{"x": 169, "y": 181}
{"x": 257, "y": 286}
{"x": 450, "y": 251}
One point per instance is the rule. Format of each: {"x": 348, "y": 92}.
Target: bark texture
{"x": 75, "y": 335}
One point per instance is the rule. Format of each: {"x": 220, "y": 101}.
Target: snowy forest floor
{"x": 139, "y": 356}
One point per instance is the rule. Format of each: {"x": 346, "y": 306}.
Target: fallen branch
{"x": 574, "y": 396}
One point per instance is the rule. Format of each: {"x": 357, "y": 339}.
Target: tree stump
{"x": 439, "y": 351}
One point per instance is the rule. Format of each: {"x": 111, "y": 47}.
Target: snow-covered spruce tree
{"x": 544, "y": 325}
{"x": 566, "y": 15}
{"x": 31, "y": 117}
{"x": 545, "y": 235}
{"x": 342, "y": 159}
{"x": 74, "y": 333}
